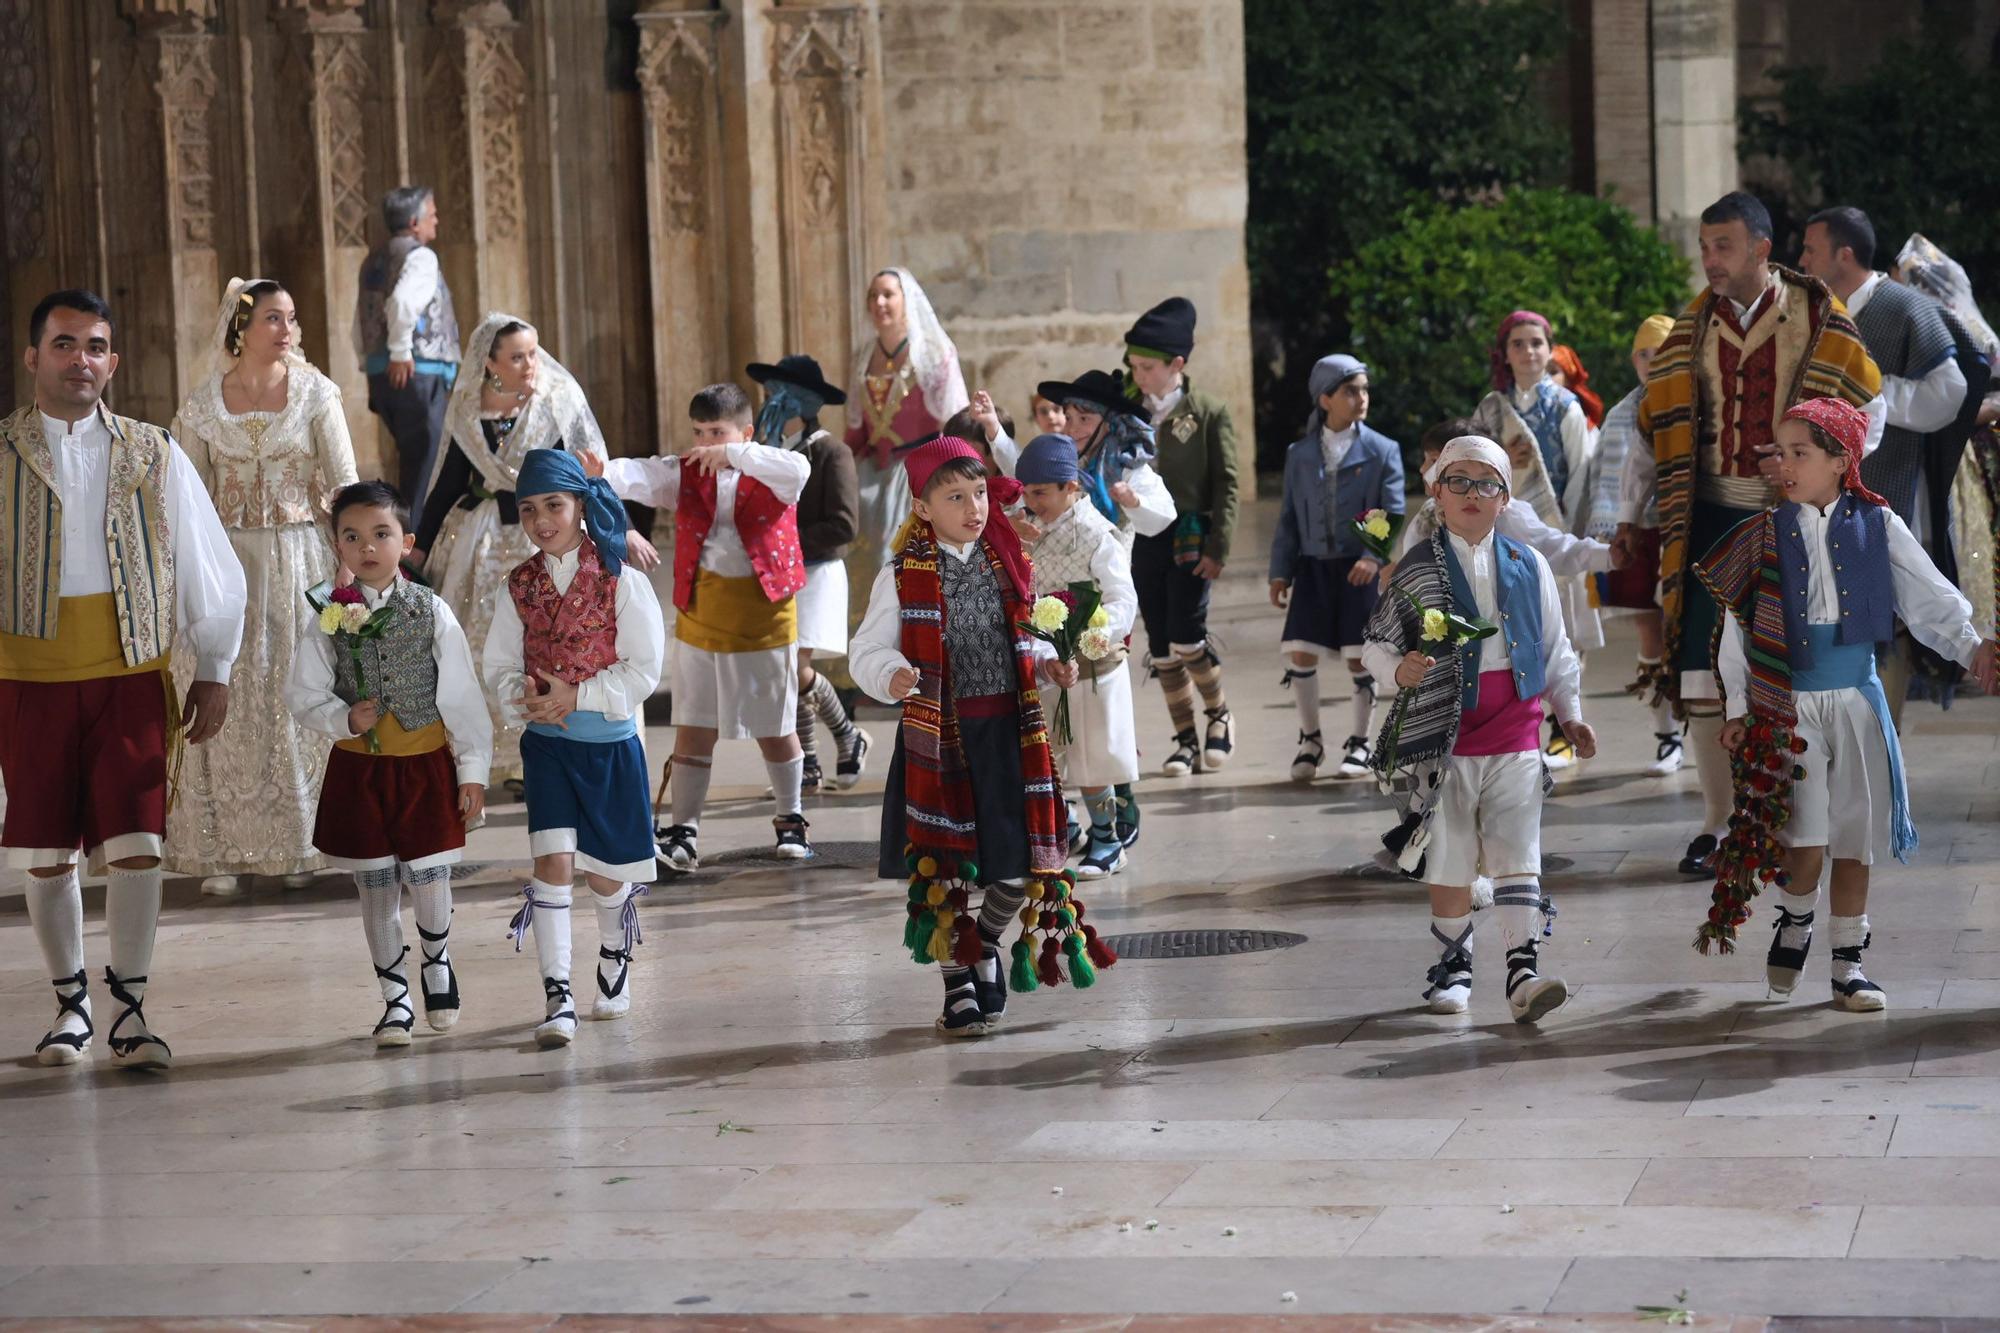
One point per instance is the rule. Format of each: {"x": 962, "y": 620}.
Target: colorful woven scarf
{"x": 1742, "y": 574}
{"x": 1838, "y": 366}
{"x": 943, "y": 839}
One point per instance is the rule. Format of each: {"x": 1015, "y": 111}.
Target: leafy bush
{"x": 1907, "y": 143}
{"x": 1356, "y": 112}
{"x": 1426, "y": 298}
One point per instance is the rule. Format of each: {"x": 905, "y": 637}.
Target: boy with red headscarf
{"x": 1813, "y": 584}
{"x": 972, "y": 798}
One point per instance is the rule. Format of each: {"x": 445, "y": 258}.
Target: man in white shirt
{"x": 406, "y": 334}
{"x": 110, "y": 552}
{"x": 1910, "y": 336}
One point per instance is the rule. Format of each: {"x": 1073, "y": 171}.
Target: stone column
{"x": 334, "y": 53}
{"x": 817, "y": 66}
{"x": 475, "y": 95}
{"x": 1621, "y": 85}
{"x": 686, "y": 241}
{"x": 176, "y": 285}
{"x": 1694, "y": 112}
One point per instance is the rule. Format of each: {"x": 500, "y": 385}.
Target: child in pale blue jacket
{"x": 1321, "y": 574}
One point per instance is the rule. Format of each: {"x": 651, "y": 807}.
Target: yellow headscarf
{"x": 1652, "y": 332}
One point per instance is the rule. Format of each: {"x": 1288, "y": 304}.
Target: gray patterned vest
{"x": 436, "y": 334}
{"x": 978, "y": 642}
{"x": 401, "y": 665}
{"x": 1063, "y": 557}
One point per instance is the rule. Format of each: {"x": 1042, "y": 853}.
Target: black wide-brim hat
{"x": 1103, "y": 387}
{"x": 801, "y": 372}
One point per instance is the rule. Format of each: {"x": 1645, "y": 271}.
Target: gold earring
{"x": 495, "y": 383}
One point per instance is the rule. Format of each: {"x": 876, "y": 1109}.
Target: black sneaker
{"x": 1791, "y": 940}
{"x": 853, "y": 761}
{"x": 1220, "y": 740}
{"x": 1699, "y": 863}
{"x": 676, "y": 848}
{"x": 992, "y": 994}
{"x": 962, "y": 1016}
{"x": 792, "y": 842}
{"x": 810, "y": 777}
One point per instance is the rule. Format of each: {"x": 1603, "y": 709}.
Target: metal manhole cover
{"x": 826, "y": 855}
{"x": 1200, "y": 943}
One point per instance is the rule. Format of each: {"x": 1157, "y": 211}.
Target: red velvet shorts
{"x": 84, "y": 761}
{"x": 379, "y": 808}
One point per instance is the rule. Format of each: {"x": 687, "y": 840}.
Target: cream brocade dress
{"x": 247, "y": 799}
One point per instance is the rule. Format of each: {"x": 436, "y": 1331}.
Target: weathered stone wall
{"x": 1052, "y": 169}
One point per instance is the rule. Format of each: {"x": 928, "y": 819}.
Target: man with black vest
{"x": 1913, "y": 340}
{"x": 407, "y": 335}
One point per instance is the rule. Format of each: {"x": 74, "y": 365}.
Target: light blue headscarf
{"x": 547, "y": 471}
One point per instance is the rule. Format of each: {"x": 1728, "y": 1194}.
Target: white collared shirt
{"x": 209, "y": 591}
{"x": 1334, "y": 444}
{"x": 657, "y": 482}
{"x": 618, "y": 691}
{"x": 1160, "y": 407}
{"x": 460, "y": 700}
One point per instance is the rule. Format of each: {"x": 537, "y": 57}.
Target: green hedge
{"x": 1425, "y": 298}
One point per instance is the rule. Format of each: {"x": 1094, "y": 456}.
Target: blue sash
{"x": 1851, "y": 666}
{"x": 589, "y": 727}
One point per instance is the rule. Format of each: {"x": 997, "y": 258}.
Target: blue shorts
{"x": 590, "y": 798}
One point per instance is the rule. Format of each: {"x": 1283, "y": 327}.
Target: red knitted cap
{"x": 928, "y": 458}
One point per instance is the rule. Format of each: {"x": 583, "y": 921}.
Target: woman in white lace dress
{"x": 266, "y": 432}
{"x": 510, "y": 397}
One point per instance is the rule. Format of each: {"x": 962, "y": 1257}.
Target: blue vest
{"x": 1517, "y": 586}
{"x": 1857, "y": 542}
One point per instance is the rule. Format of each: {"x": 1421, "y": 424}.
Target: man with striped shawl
{"x": 1758, "y": 340}
{"x": 1463, "y": 736}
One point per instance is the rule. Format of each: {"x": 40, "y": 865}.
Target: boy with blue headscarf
{"x": 574, "y": 652}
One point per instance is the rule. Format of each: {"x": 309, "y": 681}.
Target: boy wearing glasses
{"x": 1464, "y": 732}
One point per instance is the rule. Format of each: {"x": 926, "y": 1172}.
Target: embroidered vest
{"x": 978, "y": 639}
{"x": 1750, "y": 376}
{"x": 768, "y": 526}
{"x": 435, "y": 337}
{"x": 1063, "y": 557}
{"x": 135, "y": 533}
{"x": 1517, "y": 587}
{"x": 400, "y": 664}
{"x": 1857, "y": 542}
{"x": 571, "y": 635}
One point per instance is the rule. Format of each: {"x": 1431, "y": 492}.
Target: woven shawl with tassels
{"x": 1742, "y": 574}
{"x": 942, "y": 831}
{"x": 1836, "y": 365}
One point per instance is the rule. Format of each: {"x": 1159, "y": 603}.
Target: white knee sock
{"x": 1364, "y": 705}
{"x": 688, "y": 788}
{"x": 1517, "y": 908}
{"x": 786, "y": 776}
{"x": 431, "y": 890}
{"x": 1847, "y": 932}
{"x": 381, "y": 915}
{"x": 551, "y": 928}
{"x": 131, "y": 917}
{"x": 1446, "y": 930}
{"x": 1711, "y": 766}
{"x": 55, "y": 909}
{"x": 1305, "y": 695}
{"x": 618, "y": 927}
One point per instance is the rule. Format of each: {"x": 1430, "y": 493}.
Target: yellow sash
{"x": 395, "y": 741}
{"x": 734, "y": 616}
{"x": 88, "y": 646}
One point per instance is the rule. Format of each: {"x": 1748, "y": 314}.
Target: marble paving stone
{"x": 1751, "y": 1182}
{"x": 1691, "y": 1136}
{"x": 1856, "y": 1288}
{"x": 192, "y": 1291}
{"x": 1803, "y": 1232}
{"x": 1052, "y": 1186}
{"x": 776, "y": 1130}
{"x": 1322, "y": 1286}
{"x": 935, "y": 1285}
{"x": 1210, "y": 1140}
{"x": 1920, "y": 1231}
{"x": 1436, "y": 1181}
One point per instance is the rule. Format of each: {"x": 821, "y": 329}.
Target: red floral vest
{"x": 574, "y": 635}
{"x": 768, "y": 526}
